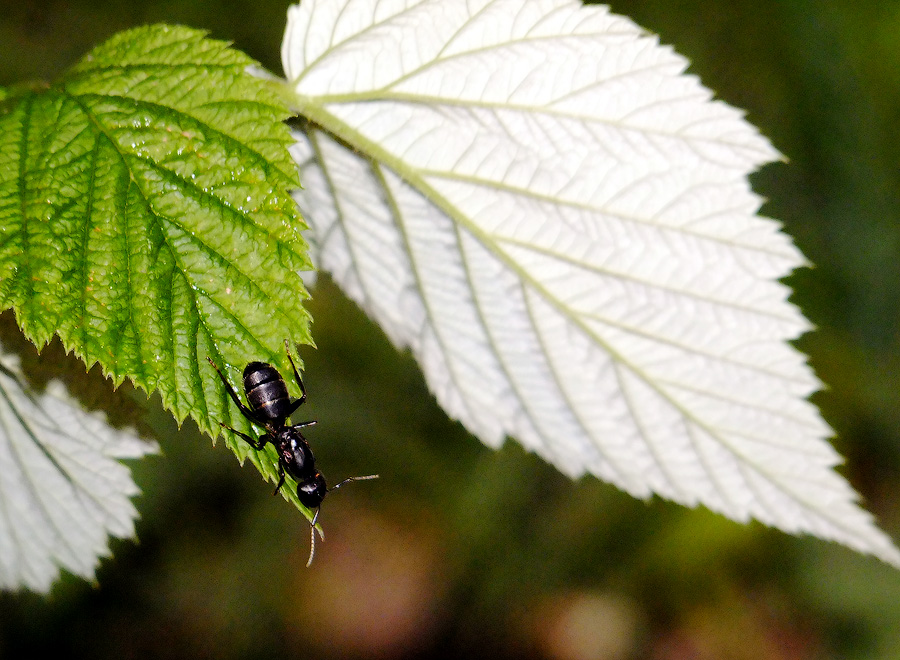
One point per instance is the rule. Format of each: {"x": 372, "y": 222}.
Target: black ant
{"x": 270, "y": 407}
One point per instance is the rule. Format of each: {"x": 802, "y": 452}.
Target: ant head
{"x": 312, "y": 491}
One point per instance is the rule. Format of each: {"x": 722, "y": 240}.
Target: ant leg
{"x": 256, "y": 444}
{"x": 338, "y": 485}
{"x": 245, "y": 411}
{"x": 296, "y": 404}
{"x": 280, "y": 477}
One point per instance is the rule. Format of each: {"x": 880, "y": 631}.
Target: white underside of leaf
{"x": 557, "y": 222}
{"x": 62, "y": 487}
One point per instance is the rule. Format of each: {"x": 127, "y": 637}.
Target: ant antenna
{"x": 338, "y": 485}
{"x": 312, "y": 537}
{"x": 312, "y": 524}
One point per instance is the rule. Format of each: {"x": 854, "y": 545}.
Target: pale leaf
{"x": 63, "y": 488}
{"x": 534, "y": 198}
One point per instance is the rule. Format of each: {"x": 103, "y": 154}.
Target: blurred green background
{"x": 459, "y": 551}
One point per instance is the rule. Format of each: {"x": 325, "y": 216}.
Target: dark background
{"x": 461, "y": 551}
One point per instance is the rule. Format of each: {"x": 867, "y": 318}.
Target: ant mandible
{"x": 270, "y": 407}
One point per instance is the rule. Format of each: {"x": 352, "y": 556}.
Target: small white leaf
{"x": 557, "y": 221}
{"x": 63, "y": 490}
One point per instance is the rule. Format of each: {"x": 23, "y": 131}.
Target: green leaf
{"x": 146, "y": 218}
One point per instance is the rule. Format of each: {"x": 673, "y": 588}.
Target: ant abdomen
{"x": 267, "y": 393}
